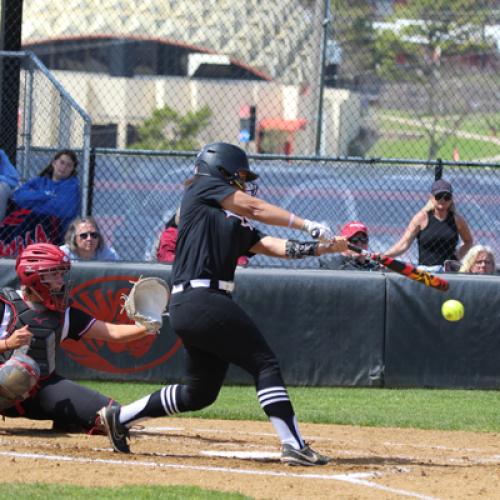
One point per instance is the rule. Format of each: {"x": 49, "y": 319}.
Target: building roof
{"x": 263, "y": 35}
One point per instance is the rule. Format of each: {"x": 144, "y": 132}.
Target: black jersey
{"x": 210, "y": 239}
{"x": 438, "y": 241}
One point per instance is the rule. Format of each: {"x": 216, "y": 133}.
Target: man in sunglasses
{"x": 356, "y": 233}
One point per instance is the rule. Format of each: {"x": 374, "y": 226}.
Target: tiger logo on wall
{"x": 101, "y": 298}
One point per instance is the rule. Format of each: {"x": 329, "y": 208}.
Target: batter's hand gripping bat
{"x": 404, "y": 268}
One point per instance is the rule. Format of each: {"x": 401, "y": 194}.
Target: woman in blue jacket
{"x": 55, "y": 191}
{"x": 42, "y": 208}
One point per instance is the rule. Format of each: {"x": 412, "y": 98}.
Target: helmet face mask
{"x": 240, "y": 181}
{"x": 229, "y": 163}
{"x": 44, "y": 270}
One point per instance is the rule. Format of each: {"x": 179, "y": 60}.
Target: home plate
{"x": 245, "y": 455}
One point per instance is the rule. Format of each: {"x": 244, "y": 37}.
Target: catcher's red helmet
{"x": 32, "y": 267}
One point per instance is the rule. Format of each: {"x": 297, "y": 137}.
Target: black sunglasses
{"x": 94, "y": 235}
{"x": 358, "y": 239}
{"x": 443, "y": 196}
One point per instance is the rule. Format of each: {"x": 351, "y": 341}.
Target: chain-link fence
{"x": 379, "y": 78}
{"x": 48, "y": 116}
{"x": 136, "y": 194}
{"x": 344, "y": 90}
{"x": 48, "y": 120}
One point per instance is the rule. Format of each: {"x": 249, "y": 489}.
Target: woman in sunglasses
{"x": 438, "y": 228}
{"x": 356, "y": 233}
{"x": 84, "y": 241}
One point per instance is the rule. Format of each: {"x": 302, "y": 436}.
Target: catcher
{"x": 214, "y": 230}
{"x": 35, "y": 320}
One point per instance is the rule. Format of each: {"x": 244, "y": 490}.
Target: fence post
{"x": 319, "y": 125}
{"x": 10, "y": 40}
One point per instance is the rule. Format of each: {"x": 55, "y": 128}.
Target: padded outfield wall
{"x": 328, "y": 328}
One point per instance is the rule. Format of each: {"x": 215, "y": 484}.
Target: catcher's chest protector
{"x": 45, "y": 326}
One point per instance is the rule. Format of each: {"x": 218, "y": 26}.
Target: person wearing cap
{"x": 356, "y": 233}
{"x": 437, "y": 227}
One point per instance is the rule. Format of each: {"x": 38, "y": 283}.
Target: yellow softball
{"x": 452, "y": 310}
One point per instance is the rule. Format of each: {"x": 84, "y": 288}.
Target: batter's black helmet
{"x": 225, "y": 161}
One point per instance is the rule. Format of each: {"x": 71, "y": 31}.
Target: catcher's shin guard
{"x": 18, "y": 376}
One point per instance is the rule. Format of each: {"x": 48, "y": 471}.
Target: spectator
{"x": 84, "y": 241}
{"x": 480, "y": 259}
{"x": 41, "y": 209}
{"x": 357, "y": 233}
{"x": 55, "y": 191}
{"x": 166, "y": 248}
{"x": 437, "y": 228}
{"x": 9, "y": 180}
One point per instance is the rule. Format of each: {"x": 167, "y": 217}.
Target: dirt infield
{"x": 243, "y": 457}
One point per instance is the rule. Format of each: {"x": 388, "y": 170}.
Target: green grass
{"x": 470, "y": 149}
{"x": 66, "y": 492}
{"x": 417, "y": 147}
{"x": 470, "y": 410}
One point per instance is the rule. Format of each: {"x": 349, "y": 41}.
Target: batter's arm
{"x": 279, "y": 247}
{"x": 257, "y": 209}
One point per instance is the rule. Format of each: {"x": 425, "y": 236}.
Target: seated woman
{"x": 41, "y": 209}
{"x": 480, "y": 259}
{"x": 84, "y": 241}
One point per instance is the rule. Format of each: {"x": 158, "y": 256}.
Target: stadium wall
{"x": 328, "y": 328}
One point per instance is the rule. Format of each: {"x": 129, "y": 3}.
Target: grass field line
{"x": 357, "y": 478}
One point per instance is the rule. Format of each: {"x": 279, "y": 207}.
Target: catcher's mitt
{"x": 18, "y": 375}
{"x": 147, "y": 302}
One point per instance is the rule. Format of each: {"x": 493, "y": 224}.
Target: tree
{"x": 352, "y": 28}
{"x": 421, "y": 49}
{"x": 169, "y": 130}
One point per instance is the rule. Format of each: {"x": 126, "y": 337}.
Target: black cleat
{"x": 117, "y": 433}
{"x": 305, "y": 456}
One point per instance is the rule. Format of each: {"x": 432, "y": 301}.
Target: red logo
{"x": 101, "y": 298}
{"x": 39, "y": 320}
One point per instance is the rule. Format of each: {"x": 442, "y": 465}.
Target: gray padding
{"x": 328, "y": 328}
{"x": 425, "y": 350}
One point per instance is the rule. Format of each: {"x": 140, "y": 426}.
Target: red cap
{"x": 353, "y": 227}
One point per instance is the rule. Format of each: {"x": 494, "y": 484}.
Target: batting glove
{"x": 317, "y": 230}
